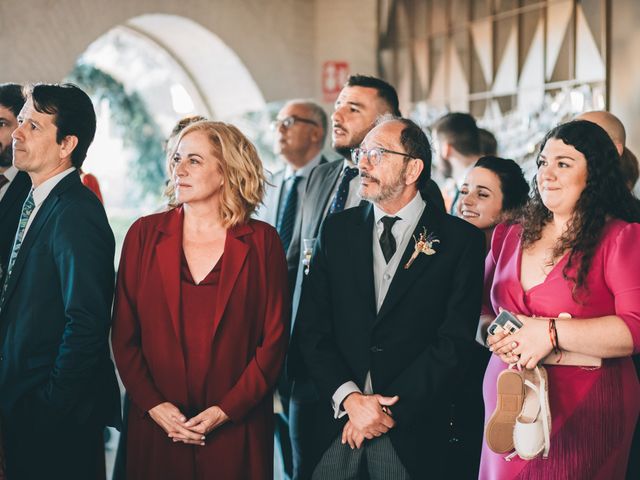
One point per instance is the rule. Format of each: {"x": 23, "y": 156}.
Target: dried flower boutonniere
{"x": 424, "y": 244}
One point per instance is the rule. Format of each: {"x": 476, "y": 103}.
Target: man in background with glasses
{"x": 388, "y": 310}
{"x": 300, "y": 130}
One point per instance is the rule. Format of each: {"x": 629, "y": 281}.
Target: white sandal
{"x": 532, "y": 432}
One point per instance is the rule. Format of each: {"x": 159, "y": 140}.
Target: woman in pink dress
{"x": 574, "y": 250}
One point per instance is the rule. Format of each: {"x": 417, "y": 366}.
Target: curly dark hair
{"x": 605, "y": 196}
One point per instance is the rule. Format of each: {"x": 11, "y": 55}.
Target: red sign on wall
{"x": 334, "y": 76}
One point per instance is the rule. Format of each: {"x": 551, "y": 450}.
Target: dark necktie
{"x": 340, "y": 199}
{"x": 387, "y": 241}
{"x": 287, "y": 217}
{"x": 3, "y": 180}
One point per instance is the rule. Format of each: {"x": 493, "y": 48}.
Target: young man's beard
{"x": 6, "y": 157}
{"x": 344, "y": 152}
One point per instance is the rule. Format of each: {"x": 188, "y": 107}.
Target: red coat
{"x": 249, "y": 339}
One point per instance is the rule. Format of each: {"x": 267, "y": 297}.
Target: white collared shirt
{"x": 10, "y": 173}
{"x": 42, "y": 191}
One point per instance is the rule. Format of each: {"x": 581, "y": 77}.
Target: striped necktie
{"x": 27, "y": 210}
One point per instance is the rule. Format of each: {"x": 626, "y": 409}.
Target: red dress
{"x": 594, "y": 411}
{"x": 245, "y": 335}
{"x": 197, "y": 309}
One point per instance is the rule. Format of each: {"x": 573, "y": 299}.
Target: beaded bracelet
{"x": 553, "y": 336}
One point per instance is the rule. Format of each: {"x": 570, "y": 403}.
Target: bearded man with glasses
{"x": 387, "y": 314}
{"x": 332, "y": 188}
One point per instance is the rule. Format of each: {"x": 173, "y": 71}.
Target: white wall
{"x": 282, "y": 42}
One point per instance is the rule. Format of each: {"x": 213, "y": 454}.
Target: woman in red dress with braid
{"x": 201, "y": 318}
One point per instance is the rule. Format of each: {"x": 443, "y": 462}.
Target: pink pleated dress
{"x": 594, "y": 410}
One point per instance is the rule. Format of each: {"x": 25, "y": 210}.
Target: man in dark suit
{"x": 300, "y": 130}
{"x": 14, "y": 185}
{"x": 57, "y": 380}
{"x": 388, "y": 310}
{"x": 332, "y": 188}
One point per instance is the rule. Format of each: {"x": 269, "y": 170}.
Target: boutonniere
{"x": 424, "y": 244}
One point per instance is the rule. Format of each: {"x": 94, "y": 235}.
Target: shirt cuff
{"x": 342, "y": 392}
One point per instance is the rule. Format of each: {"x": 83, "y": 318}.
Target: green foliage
{"x": 132, "y": 121}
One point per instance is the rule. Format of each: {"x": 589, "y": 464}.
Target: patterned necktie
{"x": 3, "y": 180}
{"x": 27, "y": 210}
{"x": 387, "y": 240}
{"x": 340, "y": 199}
{"x": 287, "y": 217}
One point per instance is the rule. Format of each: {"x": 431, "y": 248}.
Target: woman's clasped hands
{"x": 192, "y": 431}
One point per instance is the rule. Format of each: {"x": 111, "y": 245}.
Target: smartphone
{"x": 505, "y": 321}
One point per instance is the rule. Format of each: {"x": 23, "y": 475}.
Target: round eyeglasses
{"x": 373, "y": 155}
{"x": 288, "y": 122}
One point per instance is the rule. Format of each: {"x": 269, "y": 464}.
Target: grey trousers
{"x": 376, "y": 459}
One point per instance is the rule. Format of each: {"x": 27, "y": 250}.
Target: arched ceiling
{"x": 227, "y": 87}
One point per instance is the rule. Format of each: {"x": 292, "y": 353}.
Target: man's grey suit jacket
{"x": 268, "y": 211}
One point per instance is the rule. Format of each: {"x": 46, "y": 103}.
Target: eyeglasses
{"x": 373, "y": 155}
{"x": 288, "y": 122}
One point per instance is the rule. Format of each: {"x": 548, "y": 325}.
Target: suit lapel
{"x": 16, "y": 192}
{"x": 47, "y": 207}
{"x": 326, "y": 188}
{"x": 32, "y": 234}
{"x": 235, "y": 253}
{"x": 362, "y": 255}
{"x": 169, "y": 255}
{"x": 405, "y": 278}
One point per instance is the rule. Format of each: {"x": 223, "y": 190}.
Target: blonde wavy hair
{"x": 169, "y": 150}
{"x": 240, "y": 166}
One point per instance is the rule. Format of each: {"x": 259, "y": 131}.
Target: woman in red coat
{"x": 201, "y": 319}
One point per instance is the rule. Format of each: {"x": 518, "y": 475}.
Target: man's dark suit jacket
{"x": 57, "y": 381}
{"x": 320, "y": 187}
{"x": 416, "y": 343}
{"x": 10, "y": 208}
